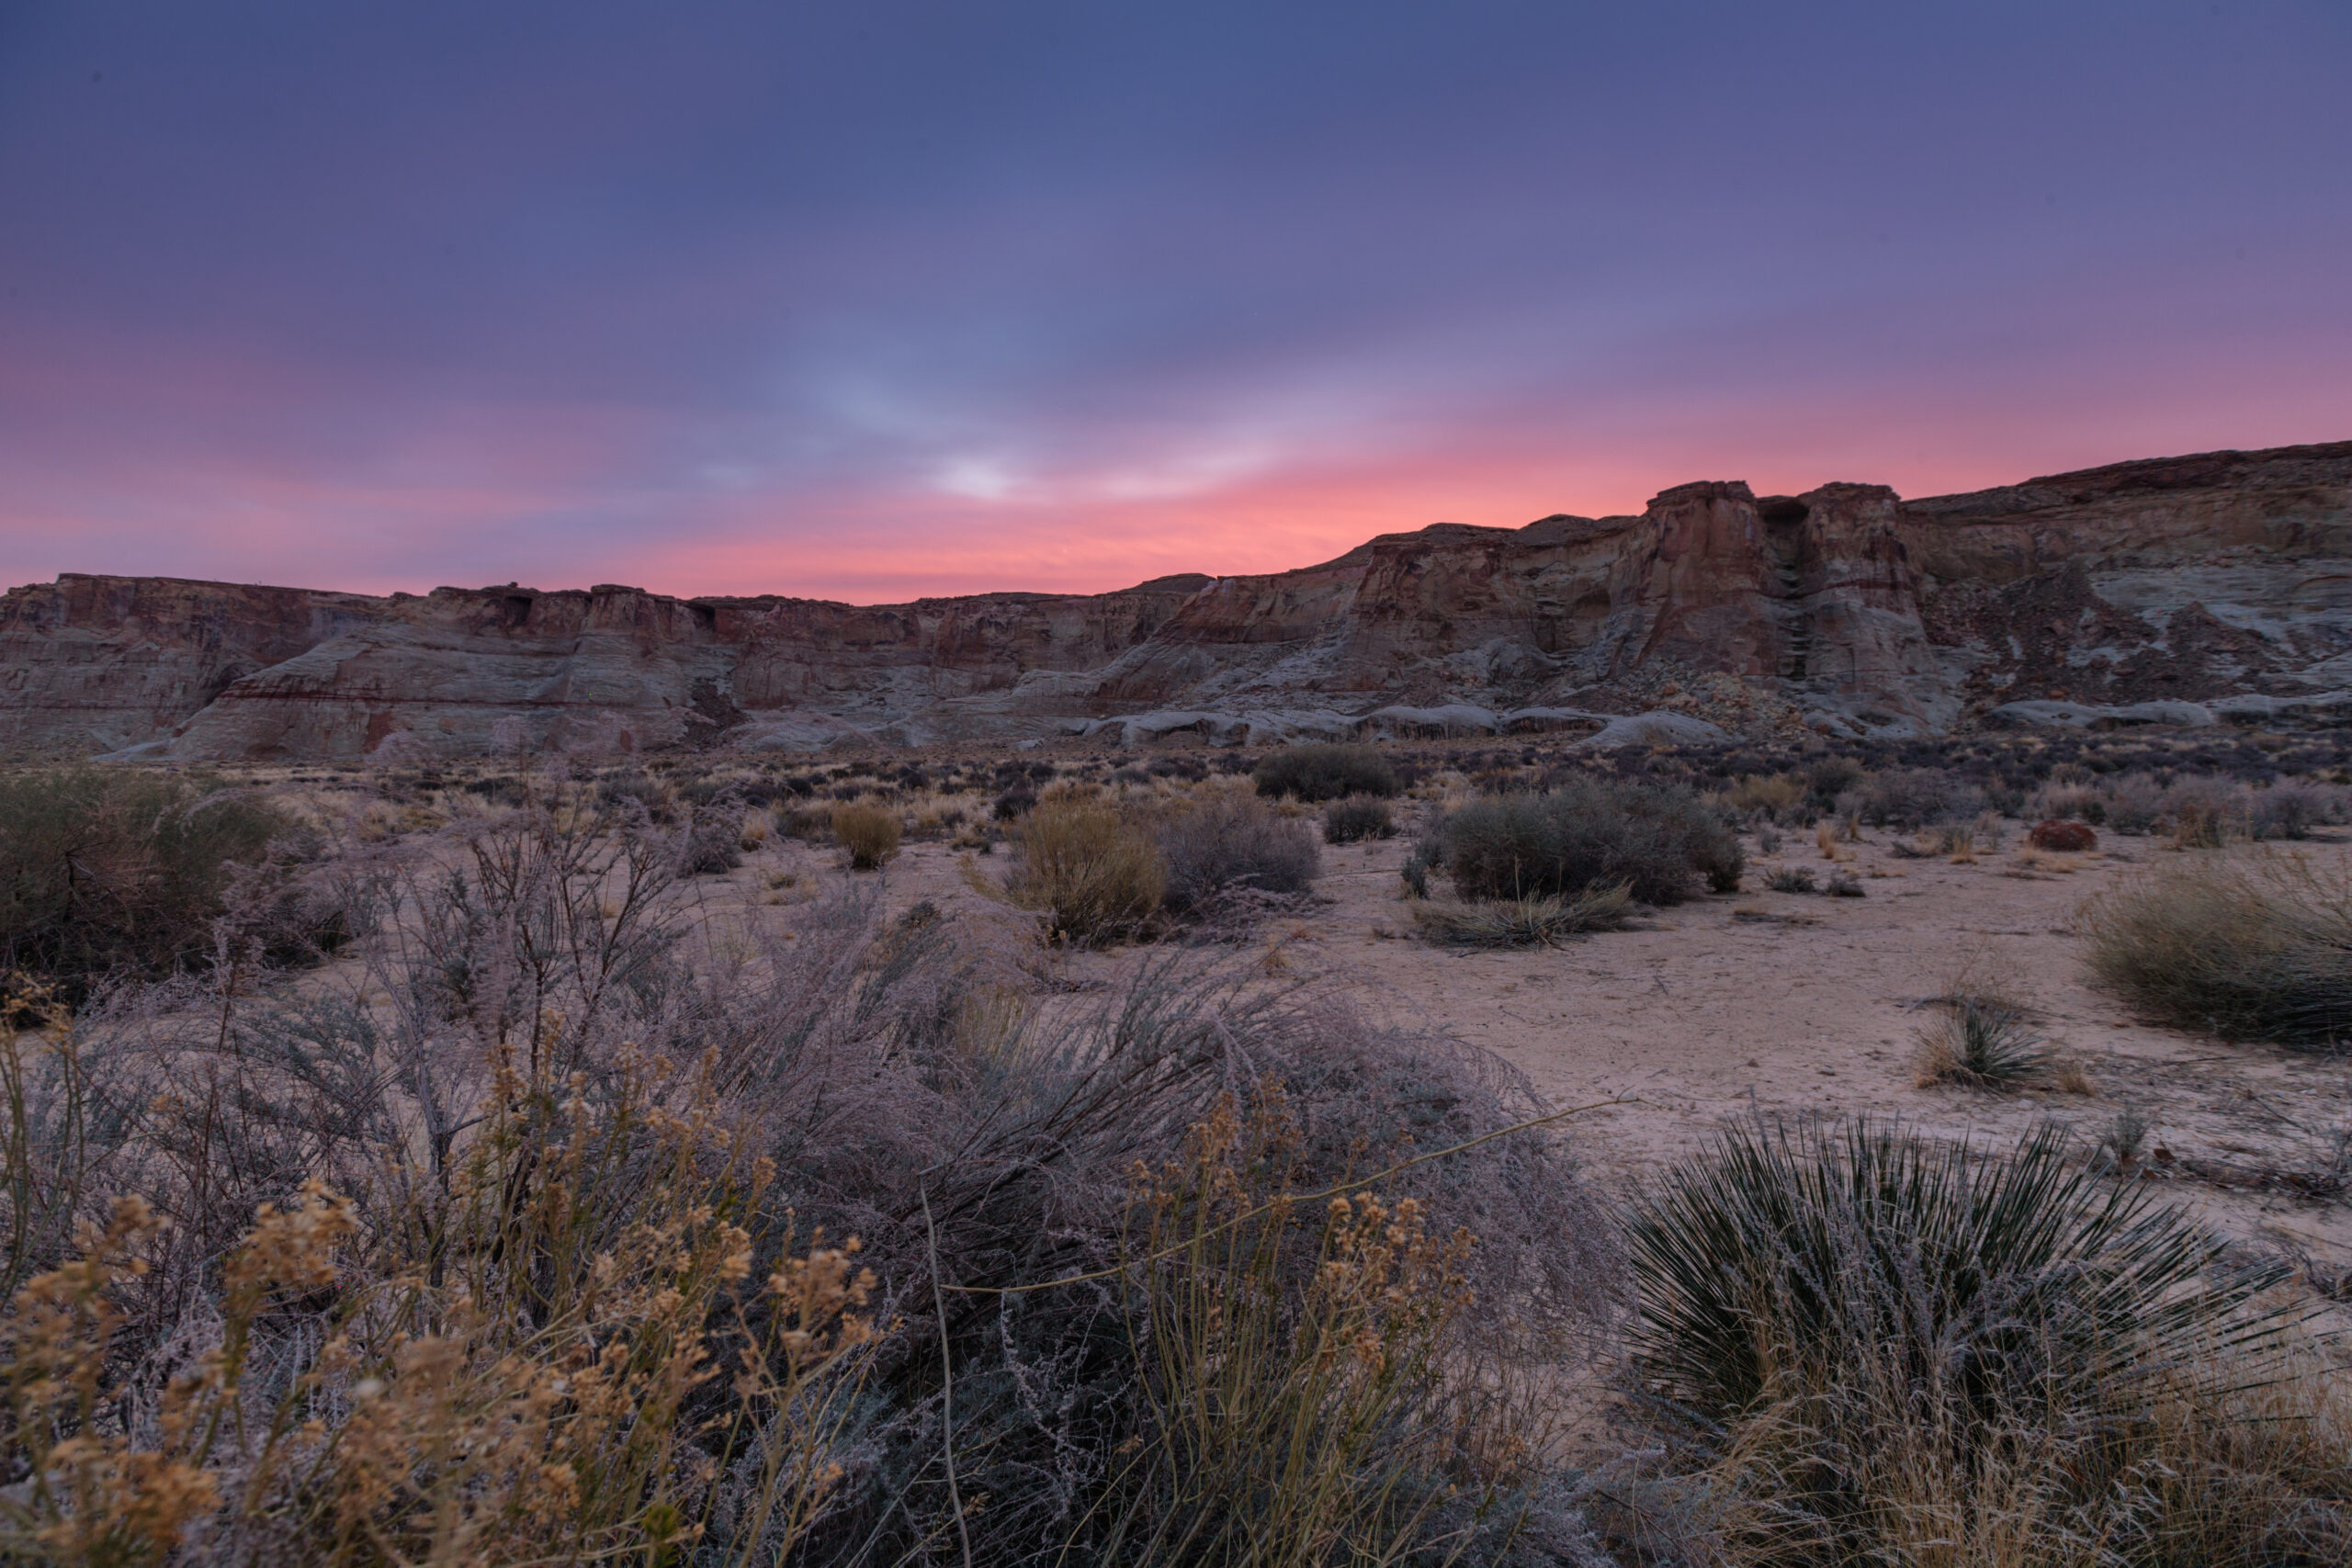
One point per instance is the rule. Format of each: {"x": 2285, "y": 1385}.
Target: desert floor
{"x": 1788, "y": 1005}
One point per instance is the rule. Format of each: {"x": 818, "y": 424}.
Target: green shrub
{"x": 1586, "y": 833}
{"x": 105, "y": 871}
{"x": 2254, "y": 948}
{"x": 1356, "y": 819}
{"x": 1321, "y": 772}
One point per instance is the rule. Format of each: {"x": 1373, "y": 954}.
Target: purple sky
{"x": 865, "y": 301}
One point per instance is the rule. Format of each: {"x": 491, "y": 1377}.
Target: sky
{"x": 878, "y": 299}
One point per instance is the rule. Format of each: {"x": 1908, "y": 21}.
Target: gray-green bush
{"x": 1356, "y": 819}
{"x": 120, "y": 872}
{"x": 1586, "y": 832}
{"x": 1226, "y": 844}
{"x": 1322, "y": 772}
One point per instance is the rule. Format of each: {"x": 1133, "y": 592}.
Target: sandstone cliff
{"x": 2177, "y": 589}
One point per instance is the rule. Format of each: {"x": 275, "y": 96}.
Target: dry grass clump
{"x": 1302, "y": 1369}
{"x": 1524, "y": 922}
{"x": 1589, "y": 832}
{"x": 115, "y": 873}
{"x": 1320, "y": 773}
{"x": 2257, "y": 946}
{"x": 1871, "y": 1349}
{"x": 869, "y": 831}
{"x": 1777, "y": 795}
{"x": 1089, "y": 866}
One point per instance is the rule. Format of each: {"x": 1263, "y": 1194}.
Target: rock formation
{"x": 2186, "y": 589}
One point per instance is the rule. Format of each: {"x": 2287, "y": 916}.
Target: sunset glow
{"x": 902, "y": 299}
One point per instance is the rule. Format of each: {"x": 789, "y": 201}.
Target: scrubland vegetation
{"x": 421, "y": 1169}
{"x": 2247, "y": 948}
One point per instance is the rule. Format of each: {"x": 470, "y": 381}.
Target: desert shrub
{"x": 499, "y": 789}
{"x": 1910, "y": 798}
{"x": 1356, "y": 819}
{"x": 1524, "y": 922}
{"x": 529, "y": 1393}
{"x": 107, "y": 872}
{"x": 870, "y": 833}
{"x": 1091, "y": 867}
{"x": 2252, "y": 948}
{"x": 2202, "y": 813}
{"x": 1983, "y": 1041}
{"x": 2131, "y": 803}
{"x": 1777, "y": 796}
{"x": 1829, "y": 778}
{"x": 714, "y": 837}
{"x": 1898, "y": 1352}
{"x": 1790, "y": 879}
{"x": 2015, "y": 1279}
{"x": 1589, "y": 832}
{"x": 809, "y": 823}
{"x": 2067, "y": 838}
{"x": 1844, "y": 884}
{"x": 2291, "y": 810}
{"x": 1278, "y": 1433}
{"x": 576, "y": 1158}
{"x": 656, "y": 798}
{"x": 1226, "y": 842}
{"x": 1318, "y": 772}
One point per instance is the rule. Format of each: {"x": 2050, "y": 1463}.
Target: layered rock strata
{"x": 2196, "y": 589}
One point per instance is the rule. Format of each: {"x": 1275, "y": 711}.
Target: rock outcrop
{"x": 2204, "y": 589}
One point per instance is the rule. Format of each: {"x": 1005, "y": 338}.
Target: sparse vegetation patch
{"x": 2256, "y": 946}
{"x": 1320, "y": 773}
{"x": 1586, "y": 832}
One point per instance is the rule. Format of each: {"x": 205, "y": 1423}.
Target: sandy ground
{"x": 1710, "y": 1012}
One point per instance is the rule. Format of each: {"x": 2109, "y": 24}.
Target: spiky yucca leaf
{"x": 1983, "y": 1039}
{"x": 2017, "y": 1280}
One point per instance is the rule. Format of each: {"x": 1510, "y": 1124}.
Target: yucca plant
{"x": 2011, "y": 1279}
{"x": 1983, "y": 1041}
{"x": 1871, "y": 1349}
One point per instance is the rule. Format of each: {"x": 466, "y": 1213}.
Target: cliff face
{"x": 2177, "y": 588}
